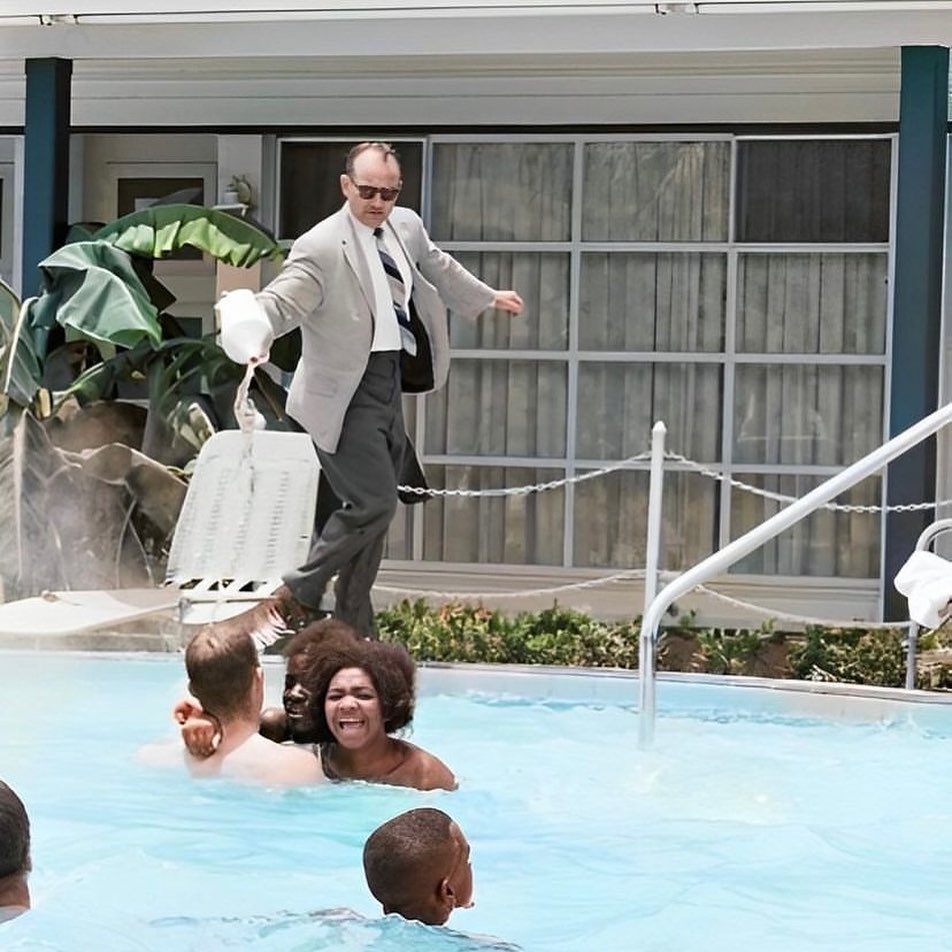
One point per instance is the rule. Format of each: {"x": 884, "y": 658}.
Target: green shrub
{"x": 461, "y": 632}
{"x": 564, "y": 636}
{"x": 741, "y": 651}
{"x": 856, "y": 655}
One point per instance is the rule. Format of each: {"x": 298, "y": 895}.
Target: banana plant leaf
{"x": 161, "y": 229}
{"x": 92, "y": 287}
{"x": 19, "y": 363}
{"x": 82, "y": 231}
{"x": 99, "y": 381}
{"x": 9, "y": 311}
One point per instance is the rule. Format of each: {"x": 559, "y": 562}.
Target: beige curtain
{"x": 611, "y": 519}
{"x": 810, "y": 414}
{"x": 639, "y": 302}
{"x": 656, "y": 191}
{"x": 514, "y": 530}
{"x": 833, "y": 544}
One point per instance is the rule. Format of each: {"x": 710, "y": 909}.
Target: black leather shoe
{"x": 279, "y": 614}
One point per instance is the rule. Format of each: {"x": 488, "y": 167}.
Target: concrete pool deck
{"x": 159, "y": 633}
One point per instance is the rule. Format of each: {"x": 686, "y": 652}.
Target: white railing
{"x": 724, "y": 558}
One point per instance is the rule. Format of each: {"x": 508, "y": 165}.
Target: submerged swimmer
{"x": 417, "y": 865}
{"x": 15, "y": 863}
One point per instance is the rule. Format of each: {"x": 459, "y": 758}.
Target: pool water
{"x": 747, "y": 826}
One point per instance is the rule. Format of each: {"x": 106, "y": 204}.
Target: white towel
{"x": 926, "y": 581}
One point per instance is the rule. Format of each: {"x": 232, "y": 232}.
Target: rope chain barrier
{"x": 782, "y": 497}
{"x": 699, "y": 468}
{"x": 763, "y": 610}
{"x": 632, "y": 574}
{"x": 554, "y": 590}
{"x": 526, "y": 490}
{"x": 800, "y": 619}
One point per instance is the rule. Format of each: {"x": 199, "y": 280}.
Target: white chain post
{"x": 646, "y": 647}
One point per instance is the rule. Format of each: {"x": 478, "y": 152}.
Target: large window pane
{"x": 834, "y": 544}
{"x": 504, "y": 191}
{"x": 310, "y": 180}
{"x": 611, "y": 514}
{"x": 672, "y": 305}
{"x": 619, "y": 403}
{"x": 515, "y": 530}
{"x": 543, "y": 282}
{"x": 656, "y": 191}
{"x": 818, "y": 415}
{"x": 811, "y": 190}
{"x": 652, "y": 302}
{"x": 499, "y": 408}
{"x": 812, "y": 304}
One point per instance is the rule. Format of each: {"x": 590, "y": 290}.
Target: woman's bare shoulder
{"x": 422, "y": 770}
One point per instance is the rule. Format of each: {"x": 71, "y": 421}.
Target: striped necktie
{"x": 398, "y": 293}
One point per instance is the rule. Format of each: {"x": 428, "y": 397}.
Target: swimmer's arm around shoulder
{"x": 274, "y": 725}
{"x": 201, "y": 731}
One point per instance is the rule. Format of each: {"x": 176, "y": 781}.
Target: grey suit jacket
{"x": 325, "y": 288}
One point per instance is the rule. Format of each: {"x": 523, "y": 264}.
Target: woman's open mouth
{"x": 348, "y": 724}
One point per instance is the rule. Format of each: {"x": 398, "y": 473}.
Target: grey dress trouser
{"x": 363, "y": 473}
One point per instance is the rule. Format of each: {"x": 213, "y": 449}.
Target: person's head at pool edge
{"x": 15, "y": 862}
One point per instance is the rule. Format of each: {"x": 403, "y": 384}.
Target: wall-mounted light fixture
{"x": 58, "y": 19}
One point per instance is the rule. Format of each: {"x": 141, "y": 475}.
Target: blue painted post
{"x": 917, "y": 298}
{"x": 46, "y": 163}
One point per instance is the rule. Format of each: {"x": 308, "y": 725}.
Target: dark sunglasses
{"x": 367, "y": 192}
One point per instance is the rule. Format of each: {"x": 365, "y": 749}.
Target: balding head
{"x": 385, "y": 152}
{"x": 221, "y": 670}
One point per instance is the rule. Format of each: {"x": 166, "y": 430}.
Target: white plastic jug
{"x": 246, "y": 335}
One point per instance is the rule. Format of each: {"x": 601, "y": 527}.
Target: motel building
{"x": 729, "y": 215}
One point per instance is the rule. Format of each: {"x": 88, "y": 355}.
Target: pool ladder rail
{"x": 657, "y": 604}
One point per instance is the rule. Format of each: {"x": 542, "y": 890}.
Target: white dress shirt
{"x": 386, "y": 328}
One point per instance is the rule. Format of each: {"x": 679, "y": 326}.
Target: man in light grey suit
{"x": 369, "y": 290}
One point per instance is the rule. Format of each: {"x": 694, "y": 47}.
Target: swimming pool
{"x": 756, "y": 822}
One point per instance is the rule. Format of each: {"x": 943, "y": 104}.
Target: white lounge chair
{"x": 247, "y": 517}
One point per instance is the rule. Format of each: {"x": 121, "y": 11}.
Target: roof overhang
{"x": 146, "y": 29}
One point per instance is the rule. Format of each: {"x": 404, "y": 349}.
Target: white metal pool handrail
{"x": 659, "y": 433}
{"x": 734, "y": 551}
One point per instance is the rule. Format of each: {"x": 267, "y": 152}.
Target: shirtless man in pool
{"x": 292, "y": 721}
{"x": 227, "y": 680}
